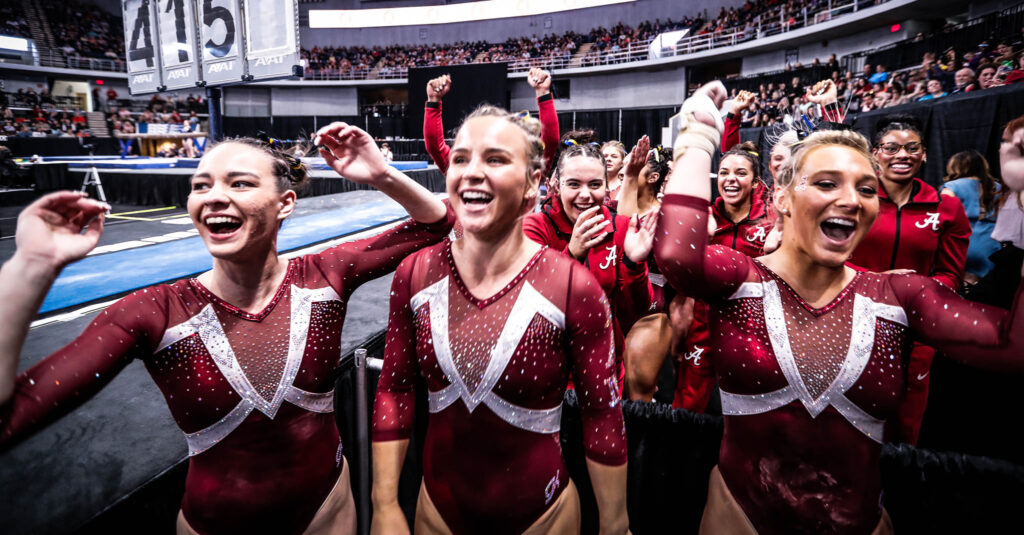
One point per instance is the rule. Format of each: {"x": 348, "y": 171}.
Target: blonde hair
{"x": 617, "y": 145}
{"x": 843, "y": 138}
{"x": 529, "y": 126}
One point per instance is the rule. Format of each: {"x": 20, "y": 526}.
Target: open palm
{"x": 640, "y": 237}
{"x": 50, "y": 229}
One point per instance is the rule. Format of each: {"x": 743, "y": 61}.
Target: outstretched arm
{"x": 680, "y": 243}
{"x": 433, "y": 127}
{"x": 978, "y": 335}
{"x": 540, "y": 81}
{"x": 49, "y": 237}
{"x": 731, "y": 135}
{"x": 353, "y": 154}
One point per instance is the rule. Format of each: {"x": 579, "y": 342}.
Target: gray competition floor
{"x": 63, "y": 475}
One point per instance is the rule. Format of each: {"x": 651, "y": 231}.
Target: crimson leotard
{"x": 626, "y": 284}
{"x": 252, "y": 392}
{"x": 929, "y": 234}
{"x": 496, "y": 370}
{"x": 805, "y": 391}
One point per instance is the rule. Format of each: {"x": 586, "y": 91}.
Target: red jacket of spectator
{"x": 929, "y": 235}
{"x": 626, "y": 284}
{"x": 433, "y": 132}
{"x": 746, "y": 236}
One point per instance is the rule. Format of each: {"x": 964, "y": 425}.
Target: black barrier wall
{"x": 671, "y": 453}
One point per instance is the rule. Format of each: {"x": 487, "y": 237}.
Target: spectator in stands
{"x": 965, "y": 81}
{"x": 934, "y": 90}
{"x": 986, "y": 75}
{"x": 968, "y": 179}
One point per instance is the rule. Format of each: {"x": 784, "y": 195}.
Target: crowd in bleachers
{"x": 80, "y": 28}
{"x": 13, "y": 20}
{"x": 778, "y": 97}
{"x": 27, "y": 113}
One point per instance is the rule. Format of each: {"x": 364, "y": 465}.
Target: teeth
{"x": 476, "y": 196}
{"x": 220, "y": 219}
{"x": 841, "y": 222}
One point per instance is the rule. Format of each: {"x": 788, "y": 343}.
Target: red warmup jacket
{"x": 433, "y": 132}
{"x": 930, "y": 235}
{"x": 746, "y": 236}
{"x": 626, "y": 284}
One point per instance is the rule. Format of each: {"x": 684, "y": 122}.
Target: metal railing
{"x": 765, "y": 26}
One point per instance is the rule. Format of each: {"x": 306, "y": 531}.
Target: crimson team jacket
{"x": 746, "y": 236}
{"x": 433, "y": 132}
{"x": 929, "y": 235}
{"x": 626, "y": 284}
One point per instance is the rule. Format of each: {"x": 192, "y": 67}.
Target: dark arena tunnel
{"x": 390, "y": 266}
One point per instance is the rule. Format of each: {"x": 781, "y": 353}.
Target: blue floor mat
{"x": 97, "y": 277}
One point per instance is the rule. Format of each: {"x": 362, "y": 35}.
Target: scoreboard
{"x": 177, "y": 44}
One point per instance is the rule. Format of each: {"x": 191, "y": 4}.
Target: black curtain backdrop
{"x": 472, "y": 85}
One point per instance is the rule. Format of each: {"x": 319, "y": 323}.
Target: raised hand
{"x": 352, "y": 153}
{"x": 640, "y": 237}
{"x": 823, "y": 92}
{"x": 589, "y": 230}
{"x": 1011, "y": 159}
{"x": 715, "y": 91}
{"x": 539, "y": 80}
{"x": 637, "y": 158}
{"x": 438, "y": 88}
{"x": 50, "y": 229}
{"x": 742, "y": 100}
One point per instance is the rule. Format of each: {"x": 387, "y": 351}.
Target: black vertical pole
{"x": 213, "y": 99}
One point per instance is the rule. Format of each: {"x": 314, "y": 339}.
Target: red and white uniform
{"x": 496, "y": 369}
{"x": 626, "y": 284}
{"x": 806, "y": 391}
{"x": 929, "y": 234}
{"x": 253, "y": 393}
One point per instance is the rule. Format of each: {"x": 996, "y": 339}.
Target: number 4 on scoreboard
{"x": 142, "y": 31}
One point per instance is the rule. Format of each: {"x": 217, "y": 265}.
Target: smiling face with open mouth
{"x": 735, "y": 180}
{"x": 834, "y": 209}
{"x": 581, "y": 186}
{"x": 488, "y": 181}
{"x": 235, "y": 203}
{"x": 900, "y": 153}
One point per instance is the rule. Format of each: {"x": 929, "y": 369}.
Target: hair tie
{"x": 269, "y": 141}
{"x": 294, "y": 163}
{"x": 570, "y": 142}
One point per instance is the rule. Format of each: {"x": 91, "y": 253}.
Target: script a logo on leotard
{"x": 932, "y": 219}
{"x": 549, "y": 491}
